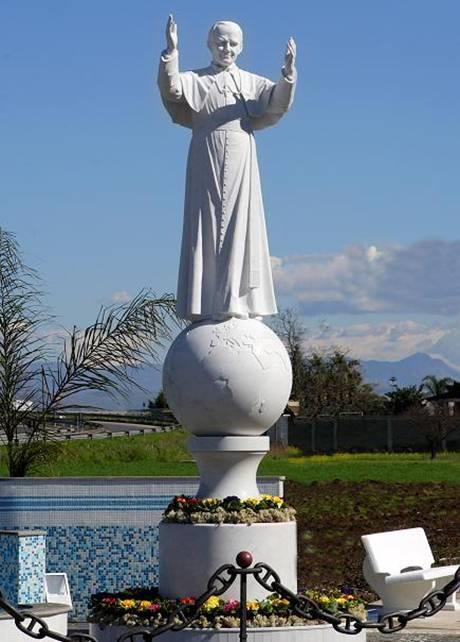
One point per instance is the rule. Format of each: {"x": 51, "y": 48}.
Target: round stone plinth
{"x": 191, "y": 553}
{"x": 228, "y": 377}
{"x": 313, "y": 633}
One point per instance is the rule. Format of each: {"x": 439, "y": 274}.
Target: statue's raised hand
{"x": 289, "y": 58}
{"x": 171, "y": 35}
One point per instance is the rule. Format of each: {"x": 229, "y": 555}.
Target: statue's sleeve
{"x": 282, "y": 95}
{"x": 272, "y": 100}
{"x": 169, "y": 80}
{"x": 171, "y": 90}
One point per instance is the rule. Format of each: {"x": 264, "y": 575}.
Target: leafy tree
{"x": 159, "y": 402}
{"x": 100, "y": 357}
{"x": 333, "y": 383}
{"x": 436, "y": 423}
{"x": 402, "y": 398}
{"x": 291, "y": 331}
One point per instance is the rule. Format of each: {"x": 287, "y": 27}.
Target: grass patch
{"x": 162, "y": 454}
{"x": 166, "y": 454}
{"x": 390, "y": 467}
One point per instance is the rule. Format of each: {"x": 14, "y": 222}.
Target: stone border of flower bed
{"x": 230, "y": 510}
{"x": 146, "y": 607}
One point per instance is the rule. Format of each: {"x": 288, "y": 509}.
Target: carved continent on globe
{"x": 229, "y": 377}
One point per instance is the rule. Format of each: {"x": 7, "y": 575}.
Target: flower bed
{"x": 231, "y": 510}
{"x": 146, "y": 607}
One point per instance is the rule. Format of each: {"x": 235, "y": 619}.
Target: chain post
{"x": 244, "y": 561}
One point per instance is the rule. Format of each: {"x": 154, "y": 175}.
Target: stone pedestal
{"x": 227, "y": 383}
{"x": 23, "y": 558}
{"x": 228, "y": 465}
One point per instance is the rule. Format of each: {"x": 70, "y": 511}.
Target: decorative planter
{"x": 191, "y": 553}
{"x": 314, "y": 633}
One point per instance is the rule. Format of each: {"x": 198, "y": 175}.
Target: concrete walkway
{"x": 442, "y": 627}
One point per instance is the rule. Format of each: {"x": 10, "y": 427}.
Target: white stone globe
{"x": 229, "y": 377}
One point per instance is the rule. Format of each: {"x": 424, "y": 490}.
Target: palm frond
{"x": 102, "y": 356}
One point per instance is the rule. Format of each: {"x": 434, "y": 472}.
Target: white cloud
{"x": 420, "y": 278}
{"x": 392, "y": 340}
{"x": 121, "y": 297}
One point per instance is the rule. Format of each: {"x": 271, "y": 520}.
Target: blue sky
{"x": 361, "y": 179}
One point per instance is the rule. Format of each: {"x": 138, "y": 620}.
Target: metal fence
{"x": 365, "y": 433}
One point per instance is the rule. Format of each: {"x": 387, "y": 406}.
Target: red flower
{"x": 187, "y": 600}
{"x": 109, "y": 600}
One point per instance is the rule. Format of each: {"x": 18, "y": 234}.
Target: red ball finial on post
{"x": 244, "y": 559}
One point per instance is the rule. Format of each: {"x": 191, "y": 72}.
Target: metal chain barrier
{"x": 36, "y": 627}
{"x": 303, "y": 606}
{"x": 348, "y": 623}
{"x": 186, "y": 614}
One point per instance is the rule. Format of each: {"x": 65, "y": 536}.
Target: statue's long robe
{"x": 225, "y": 263}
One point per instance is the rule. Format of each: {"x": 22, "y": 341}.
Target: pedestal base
{"x": 228, "y": 465}
{"x": 191, "y": 553}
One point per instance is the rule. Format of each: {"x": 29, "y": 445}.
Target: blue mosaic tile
{"x": 23, "y": 568}
{"x": 102, "y": 559}
{"x": 102, "y": 532}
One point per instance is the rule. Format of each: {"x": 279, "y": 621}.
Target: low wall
{"x": 102, "y": 532}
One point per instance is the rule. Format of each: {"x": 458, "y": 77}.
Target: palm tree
{"x": 100, "y": 357}
{"x": 433, "y": 386}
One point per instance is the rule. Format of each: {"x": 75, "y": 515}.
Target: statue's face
{"x": 225, "y": 43}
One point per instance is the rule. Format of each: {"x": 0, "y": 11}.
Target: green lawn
{"x": 166, "y": 454}
{"x": 390, "y": 467}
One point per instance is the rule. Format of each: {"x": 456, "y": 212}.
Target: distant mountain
{"x": 408, "y": 372}
{"x": 148, "y": 377}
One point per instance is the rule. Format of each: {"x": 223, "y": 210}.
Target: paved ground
{"x": 411, "y": 636}
{"x": 442, "y": 627}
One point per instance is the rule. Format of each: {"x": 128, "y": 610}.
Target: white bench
{"x": 398, "y": 567}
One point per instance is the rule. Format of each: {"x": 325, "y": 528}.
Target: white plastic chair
{"x": 398, "y": 567}
{"x": 57, "y": 589}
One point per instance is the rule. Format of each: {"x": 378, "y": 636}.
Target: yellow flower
{"x": 144, "y": 604}
{"x": 252, "y": 606}
{"x": 127, "y": 604}
{"x": 275, "y": 499}
{"x": 324, "y": 599}
{"x": 341, "y": 601}
{"x": 211, "y": 603}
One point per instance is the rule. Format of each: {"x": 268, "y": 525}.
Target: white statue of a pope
{"x": 225, "y": 263}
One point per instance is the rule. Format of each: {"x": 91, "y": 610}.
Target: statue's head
{"x": 225, "y": 41}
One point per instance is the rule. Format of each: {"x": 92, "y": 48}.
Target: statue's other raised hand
{"x": 171, "y": 35}
{"x": 289, "y": 58}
